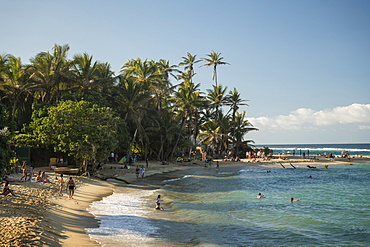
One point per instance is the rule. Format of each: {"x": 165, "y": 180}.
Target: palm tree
{"x": 145, "y": 72}
{"x": 211, "y": 135}
{"x": 241, "y": 127}
{"x": 167, "y": 70}
{"x": 214, "y": 59}
{"x": 217, "y": 98}
{"x": 132, "y": 100}
{"x": 163, "y": 134}
{"x": 84, "y": 69}
{"x": 234, "y": 101}
{"x": 52, "y": 73}
{"x": 14, "y": 83}
{"x": 187, "y": 100}
{"x": 188, "y": 63}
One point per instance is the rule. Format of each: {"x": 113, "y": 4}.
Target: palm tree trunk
{"x": 178, "y": 138}
{"x": 131, "y": 144}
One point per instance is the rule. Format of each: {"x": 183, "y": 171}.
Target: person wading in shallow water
{"x": 158, "y": 203}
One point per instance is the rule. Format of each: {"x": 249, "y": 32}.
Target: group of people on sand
{"x": 28, "y": 174}
{"x": 259, "y": 196}
{"x": 71, "y": 186}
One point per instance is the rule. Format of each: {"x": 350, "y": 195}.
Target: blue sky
{"x": 304, "y": 66}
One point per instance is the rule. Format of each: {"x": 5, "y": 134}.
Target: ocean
{"x": 353, "y": 149}
{"x": 219, "y": 207}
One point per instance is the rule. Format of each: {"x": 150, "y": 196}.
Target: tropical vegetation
{"x": 81, "y": 108}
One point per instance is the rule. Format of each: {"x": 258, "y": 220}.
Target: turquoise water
{"x": 209, "y": 207}
{"x": 354, "y": 149}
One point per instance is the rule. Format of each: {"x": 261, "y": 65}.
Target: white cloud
{"x": 304, "y": 118}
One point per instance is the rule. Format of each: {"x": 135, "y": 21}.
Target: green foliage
{"x": 160, "y": 119}
{"x": 267, "y": 150}
{"x": 79, "y": 129}
{"x": 5, "y": 153}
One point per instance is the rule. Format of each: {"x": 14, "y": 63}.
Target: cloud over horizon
{"x": 306, "y": 119}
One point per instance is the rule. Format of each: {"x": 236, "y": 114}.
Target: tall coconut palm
{"x": 214, "y": 59}
{"x": 188, "y": 62}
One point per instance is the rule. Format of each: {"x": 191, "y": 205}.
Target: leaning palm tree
{"x": 214, "y": 59}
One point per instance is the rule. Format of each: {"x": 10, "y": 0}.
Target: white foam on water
{"x": 176, "y": 179}
{"x": 123, "y": 220}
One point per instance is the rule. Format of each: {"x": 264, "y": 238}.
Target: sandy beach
{"x": 37, "y": 216}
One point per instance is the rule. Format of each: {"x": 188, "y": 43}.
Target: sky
{"x": 303, "y": 66}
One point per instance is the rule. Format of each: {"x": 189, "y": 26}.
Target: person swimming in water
{"x": 259, "y": 195}
{"x": 292, "y": 200}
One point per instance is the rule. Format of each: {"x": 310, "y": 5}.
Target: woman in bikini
{"x": 24, "y": 170}
{"x": 71, "y": 187}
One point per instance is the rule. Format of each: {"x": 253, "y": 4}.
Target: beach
{"x": 37, "y": 216}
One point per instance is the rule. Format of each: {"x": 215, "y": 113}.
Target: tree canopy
{"x": 79, "y": 106}
{"x": 78, "y": 129}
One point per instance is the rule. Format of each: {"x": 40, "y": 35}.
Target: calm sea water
{"x": 210, "y": 207}
{"x": 316, "y": 149}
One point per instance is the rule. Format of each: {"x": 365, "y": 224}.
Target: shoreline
{"x": 58, "y": 221}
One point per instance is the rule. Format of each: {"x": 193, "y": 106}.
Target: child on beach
{"x": 158, "y": 203}
{"x": 142, "y": 172}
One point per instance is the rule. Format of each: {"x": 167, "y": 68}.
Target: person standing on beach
{"x": 24, "y": 170}
{"x": 71, "y": 186}
{"x": 61, "y": 183}
{"x": 137, "y": 172}
{"x": 142, "y": 172}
